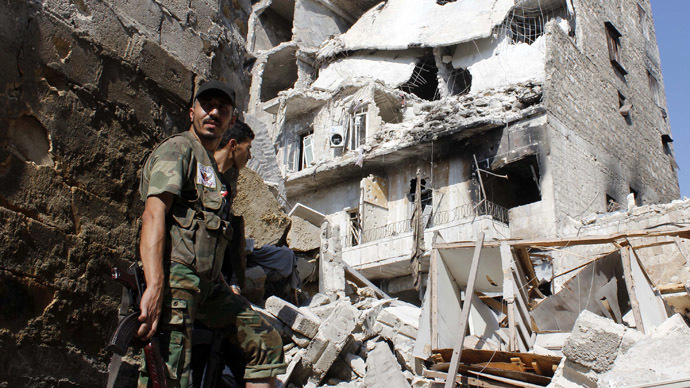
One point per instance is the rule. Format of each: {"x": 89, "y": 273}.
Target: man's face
{"x": 242, "y": 154}
{"x": 211, "y": 115}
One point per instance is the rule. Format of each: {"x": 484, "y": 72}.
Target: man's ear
{"x": 232, "y": 145}
{"x": 232, "y": 121}
{"x": 191, "y": 113}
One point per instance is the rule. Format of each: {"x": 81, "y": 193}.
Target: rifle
{"x": 134, "y": 285}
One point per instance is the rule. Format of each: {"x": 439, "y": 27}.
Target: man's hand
{"x": 150, "y": 307}
{"x": 151, "y": 251}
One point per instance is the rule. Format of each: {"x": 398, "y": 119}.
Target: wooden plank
{"x": 582, "y": 240}
{"x": 465, "y": 380}
{"x": 666, "y": 288}
{"x": 493, "y": 303}
{"x": 506, "y": 380}
{"x": 627, "y": 275}
{"x": 676, "y": 383}
{"x": 457, "y": 351}
{"x": 478, "y": 356}
{"x": 361, "y": 280}
{"x": 509, "y": 294}
{"x": 511, "y": 370}
{"x": 433, "y": 269}
{"x": 528, "y": 268}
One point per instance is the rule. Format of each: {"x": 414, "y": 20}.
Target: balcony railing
{"x": 466, "y": 211}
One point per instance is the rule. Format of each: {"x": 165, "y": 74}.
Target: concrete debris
{"x": 594, "y": 342}
{"x": 601, "y": 353}
{"x": 293, "y": 317}
{"x": 347, "y": 341}
{"x": 382, "y": 366}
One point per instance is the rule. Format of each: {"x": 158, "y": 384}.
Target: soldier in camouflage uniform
{"x": 184, "y": 233}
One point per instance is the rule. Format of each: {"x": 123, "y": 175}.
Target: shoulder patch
{"x": 205, "y": 176}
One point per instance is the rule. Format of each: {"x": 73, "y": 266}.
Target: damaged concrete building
{"x": 514, "y": 116}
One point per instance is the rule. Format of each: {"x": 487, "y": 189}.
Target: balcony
{"x": 384, "y": 252}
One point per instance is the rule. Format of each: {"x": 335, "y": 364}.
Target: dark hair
{"x": 240, "y": 132}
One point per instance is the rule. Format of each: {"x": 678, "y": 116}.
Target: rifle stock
{"x": 155, "y": 365}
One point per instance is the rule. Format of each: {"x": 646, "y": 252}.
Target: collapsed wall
{"x": 88, "y": 87}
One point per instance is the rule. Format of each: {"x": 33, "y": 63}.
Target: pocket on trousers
{"x": 178, "y": 310}
{"x": 176, "y": 351}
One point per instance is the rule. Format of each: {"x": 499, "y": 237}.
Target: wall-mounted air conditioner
{"x": 337, "y": 137}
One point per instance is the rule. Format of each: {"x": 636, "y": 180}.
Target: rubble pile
{"x": 602, "y": 353}
{"x": 348, "y": 340}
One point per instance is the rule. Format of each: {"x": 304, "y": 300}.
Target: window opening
{"x": 611, "y": 204}
{"x": 526, "y": 24}
{"x": 636, "y": 195}
{"x": 280, "y": 73}
{"x": 613, "y": 39}
{"x": 642, "y": 18}
{"x": 423, "y": 82}
{"x": 653, "y": 87}
{"x": 427, "y": 199}
{"x": 306, "y": 155}
{"x": 358, "y": 129}
{"x": 388, "y": 106}
{"x": 521, "y": 186}
{"x": 354, "y": 227}
{"x": 459, "y": 82}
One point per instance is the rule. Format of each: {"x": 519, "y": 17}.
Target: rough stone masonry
{"x": 87, "y": 88}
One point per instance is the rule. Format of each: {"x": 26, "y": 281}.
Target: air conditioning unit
{"x": 337, "y": 137}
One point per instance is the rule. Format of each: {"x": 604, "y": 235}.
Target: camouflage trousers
{"x": 187, "y": 299}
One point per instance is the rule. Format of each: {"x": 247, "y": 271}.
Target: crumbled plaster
{"x": 498, "y": 62}
{"x": 390, "y": 68}
{"x": 401, "y": 24}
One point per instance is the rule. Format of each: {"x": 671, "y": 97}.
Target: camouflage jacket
{"x": 197, "y": 232}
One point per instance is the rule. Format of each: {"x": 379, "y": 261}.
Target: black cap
{"x": 216, "y": 86}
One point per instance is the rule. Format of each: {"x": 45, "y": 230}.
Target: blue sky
{"x": 671, "y": 22}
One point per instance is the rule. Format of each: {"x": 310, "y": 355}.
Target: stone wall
{"x": 88, "y": 87}
{"x": 594, "y": 150}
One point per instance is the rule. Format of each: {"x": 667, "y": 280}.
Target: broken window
{"x": 459, "y": 82}
{"x": 306, "y": 155}
{"x": 426, "y": 198}
{"x": 613, "y": 39}
{"x": 274, "y": 25}
{"x": 388, "y": 106}
{"x": 653, "y": 87}
{"x": 611, "y": 204}
{"x": 526, "y": 24}
{"x": 280, "y": 73}
{"x": 526, "y": 29}
{"x": 354, "y": 234}
{"x": 358, "y": 128}
{"x": 666, "y": 141}
{"x": 423, "y": 82}
{"x": 514, "y": 184}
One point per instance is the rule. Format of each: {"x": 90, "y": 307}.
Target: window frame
{"x": 613, "y": 42}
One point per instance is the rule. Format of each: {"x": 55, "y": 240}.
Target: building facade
{"x": 511, "y": 117}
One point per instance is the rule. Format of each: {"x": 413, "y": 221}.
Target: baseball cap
{"x": 218, "y": 87}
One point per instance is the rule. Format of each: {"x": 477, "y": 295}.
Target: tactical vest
{"x": 197, "y": 233}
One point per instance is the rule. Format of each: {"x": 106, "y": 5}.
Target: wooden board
{"x": 476, "y": 356}
{"x": 503, "y": 369}
{"x": 581, "y": 240}
{"x": 466, "y": 307}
